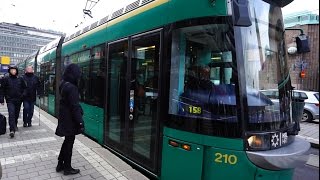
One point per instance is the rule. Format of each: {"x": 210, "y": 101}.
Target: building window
{"x": 304, "y": 18}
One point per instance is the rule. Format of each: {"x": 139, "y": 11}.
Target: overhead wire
{"x": 90, "y": 4}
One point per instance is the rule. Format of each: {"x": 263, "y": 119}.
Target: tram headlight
{"x": 258, "y": 142}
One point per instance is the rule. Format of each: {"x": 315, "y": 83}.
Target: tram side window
{"x": 52, "y": 77}
{"x": 83, "y": 60}
{"x": 84, "y": 63}
{"x": 47, "y": 75}
{"x": 202, "y": 74}
{"x": 97, "y": 76}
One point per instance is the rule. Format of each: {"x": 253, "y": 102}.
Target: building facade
{"x": 17, "y": 41}
{"x": 304, "y": 67}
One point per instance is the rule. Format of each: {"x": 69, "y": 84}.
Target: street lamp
{"x": 292, "y": 50}
{"x": 302, "y": 42}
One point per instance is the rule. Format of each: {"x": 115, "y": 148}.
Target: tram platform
{"x": 32, "y": 154}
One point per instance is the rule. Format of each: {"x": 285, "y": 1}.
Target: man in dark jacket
{"x": 33, "y": 88}
{"x": 70, "y": 122}
{"x": 13, "y": 89}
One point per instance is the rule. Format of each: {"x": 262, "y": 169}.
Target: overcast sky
{"x": 60, "y": 15}
{"x": 64, "y": 15}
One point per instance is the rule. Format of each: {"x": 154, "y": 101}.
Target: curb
{"x": 314, "y": 145}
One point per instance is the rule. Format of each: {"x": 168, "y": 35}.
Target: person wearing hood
{"x": 13, "y": 90}
{"x": 70, "y": 122}
{"x": 33, "y": 88}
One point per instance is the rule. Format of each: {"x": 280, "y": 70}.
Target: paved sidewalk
{"x": 32, "y": 154}
{"x": 310, "y": 132}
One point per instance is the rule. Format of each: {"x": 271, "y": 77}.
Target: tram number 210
{"x": 225, "y": 158}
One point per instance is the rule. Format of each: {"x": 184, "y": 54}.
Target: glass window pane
{"x": 97, "y": 77}
{"x": 84, "y": 82}
{"x": 144, "y": 74}
{"x": 201, "y": 84}
{"x": 117, "y": 69}
{"x": 83, "y": 60}
{"x": 303, "y": 95}
{"x": 47, "y": 76}
{"x": 52, "y": 85}
{"x": 266, "y": 68}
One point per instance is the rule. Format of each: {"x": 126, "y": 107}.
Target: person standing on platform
{"x": 33, "y": 88}
{"x": 13, "y": 90}
{"x": 70, "y": 122}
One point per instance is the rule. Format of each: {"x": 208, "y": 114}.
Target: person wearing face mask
{"x": 33, "y": 89}
{"x": 13, "y": 90}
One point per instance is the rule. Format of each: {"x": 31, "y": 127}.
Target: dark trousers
{"x": 66, "y": 151}
{"x": 14, "y": 110}
{"x": 28, "y": 108}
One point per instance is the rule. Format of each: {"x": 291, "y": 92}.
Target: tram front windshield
{"x": 266, "y": 69}
{"x": 203, "y": 78}
{"x": 204, "y": 92}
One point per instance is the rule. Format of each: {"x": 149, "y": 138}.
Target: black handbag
{"x": 3, "y": 124}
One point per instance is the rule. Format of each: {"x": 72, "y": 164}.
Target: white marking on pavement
{"x": 309, "y": 139}
{"x": 32, "y": 131}
{"x": 313, "y": 160}
{"x": 21, "y": 125}
{"x": 26, "y": 142}
{"x": 102, "y": 166}
{"x": 28, "y": 157}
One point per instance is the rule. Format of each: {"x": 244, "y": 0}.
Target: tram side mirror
{"x": 302, "y": 43}
{"x": 241, "y": 13}
{"x": 281, "y": 3}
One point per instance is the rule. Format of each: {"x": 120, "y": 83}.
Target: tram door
{"x": 132, "y": 102}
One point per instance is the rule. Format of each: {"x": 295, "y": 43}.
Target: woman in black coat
{"x": 70, "y": 122}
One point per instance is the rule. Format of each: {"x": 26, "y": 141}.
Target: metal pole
{"x": 39, "y": 109}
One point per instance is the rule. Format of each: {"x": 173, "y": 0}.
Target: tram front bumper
{"x": 287, "y": 157}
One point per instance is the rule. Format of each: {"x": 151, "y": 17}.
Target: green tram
{"x": 173, "y": 87}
